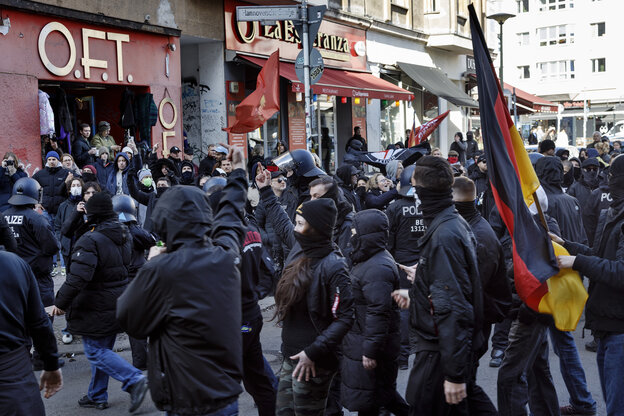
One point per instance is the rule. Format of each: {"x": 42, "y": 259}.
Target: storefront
{"x": 340, "y": 96}
{"x": 93, "y": 69}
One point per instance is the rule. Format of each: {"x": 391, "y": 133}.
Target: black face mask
{"x": 89, "y": 177}
{"x": 161, "y": 190}
{"x": 433, "y": 202}
{"x": 467, "y": 209}
{"x": 591, "y": 178}
{"x": 568, "y": 178}
{"x": 314, "y": 246}
{"x": 577, "y": 173}
{"x": 186, "y": 178}
{"x": 616, "y": 189}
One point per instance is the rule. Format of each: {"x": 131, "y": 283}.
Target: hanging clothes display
{"x": 127, "y": 110}
{"x": 65, "y": 119}
{"x": 46, "y": 115}
{"x": 147, "y": 115}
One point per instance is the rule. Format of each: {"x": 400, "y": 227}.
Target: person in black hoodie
{"x": 472, "y": 147}
{"x": 496, "y": 289}
{"x": 98, "y": 276}
{"x": 582, "y": 189}
{"x": 187, "y": 176}
{"x": 445, "y": 301}
{"x": 459, "y": 145}
{"x": 485, "y": 198}
{"x": 82, "y": 151}
{"x": 182, "y": 309}
{"x": 148, "y": 199}
{"x": 104, "y": 165}
{"x": 372, "y": 345}
{"x": 599, "y": 200}
{"x": 125, "y": 208}
{"x": 347, "y": 181}
{"x": 313, "y": 301}
{"x": 407, "y": 226}
{"x": 603, "y": 266}
{"x": 326, "y": 187}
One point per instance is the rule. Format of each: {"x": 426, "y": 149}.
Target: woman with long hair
{"x": 313, "y": 302}
{"x": 379, "y": 193}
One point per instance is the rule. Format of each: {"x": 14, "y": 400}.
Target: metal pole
{"x": 584, "y": 118}
{"x": 515, "y": 99}
{"x": 500, "y": 70}
{"x": 306, "y": 68}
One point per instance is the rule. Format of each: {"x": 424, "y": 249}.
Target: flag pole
{"x": 540, "y": 211}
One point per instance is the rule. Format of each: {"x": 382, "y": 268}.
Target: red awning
{"x": 533, "y": 101}
{"x": 342, "y": 83}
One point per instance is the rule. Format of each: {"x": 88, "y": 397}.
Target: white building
{"x": 568, "y": 51}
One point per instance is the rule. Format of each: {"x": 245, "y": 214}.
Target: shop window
{"x": 523, "y": 38}
{"x": 599, "y": 64}
{"x": 523, "y": 6}
{"x": 524, "y": 72}
{"x": 598, "y": 29}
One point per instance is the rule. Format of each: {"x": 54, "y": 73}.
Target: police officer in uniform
{"x": 36, "y": 242}
{"x": 406, "y": 227}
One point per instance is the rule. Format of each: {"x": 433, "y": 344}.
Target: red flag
{"x": 419, "y": 134}
{"x": 261, "y": 104}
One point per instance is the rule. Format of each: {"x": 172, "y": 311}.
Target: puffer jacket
{"x": 52, "y": 180}
{"x": 188, "y": 313}
{"x": 98, "y": 276}
{"x": 331, "y": 282}
{"x": 375, "y": 332}
{"x": 446, "y": 302}
{"x": 562, "y": 207}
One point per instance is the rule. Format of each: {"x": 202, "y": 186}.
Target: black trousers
{"x": 425, "y": 388}
{"x": 255, "y": 379}
{"x": 19, "y": 390}
{"x": 139, "y": 353}
{"x": 525, "y": 370}
{"x": 500, "y": 338}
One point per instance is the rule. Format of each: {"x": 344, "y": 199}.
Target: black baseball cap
{"x": 174, "y": 149}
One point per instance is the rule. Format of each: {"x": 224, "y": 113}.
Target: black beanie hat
{"x": 100, "y": 205}
{"x": 320, "y": 214}
{"x": 616, "y": 169}
{"x": 546, "y": 145}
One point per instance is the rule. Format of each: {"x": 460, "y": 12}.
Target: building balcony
{"x": 450, "y": 42}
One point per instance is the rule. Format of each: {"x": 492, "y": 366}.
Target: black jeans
{"x": 500, "y": 339}
{"x": 425, "y": 388}
{"x": 526, "y": 366}
{"x": 139, "y": 353}
{"x": 255, "y": 379}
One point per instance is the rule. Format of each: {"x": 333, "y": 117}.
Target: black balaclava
{"x": 467, "y": 209}
{"x": 568, "y": 178}
{"x": 591, "y": 178}
{"x": 321, "y": 216}
{"x": 432, "y": 202}
{"x": 616, "y": 183}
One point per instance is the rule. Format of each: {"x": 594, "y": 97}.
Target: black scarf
{"x": 313, "y": 245}
{"x": 568, "y": 178}
{"x": 432, "y": 202}
{"x": 591, "y": 178}
{"x": 89, "y": 177}
{"x": 467, "y": 209}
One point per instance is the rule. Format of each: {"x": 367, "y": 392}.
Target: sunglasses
{"x": 279, "y": 180}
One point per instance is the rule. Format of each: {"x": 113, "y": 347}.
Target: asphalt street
{"x": 76, "y": 374}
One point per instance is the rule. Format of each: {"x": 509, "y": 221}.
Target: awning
{"x": 436, "y": 82}
{"x": 341, "y": 83}
{"x": 533, "y": 101}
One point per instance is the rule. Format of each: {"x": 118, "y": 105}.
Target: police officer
{"x": 406, "y": 227}
{"x": 36, "y": 242}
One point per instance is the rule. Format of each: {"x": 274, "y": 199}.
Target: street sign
{"x": 315, "y": 17}
{"x": 267, "y": 13}
{"x": 316, "y": 66}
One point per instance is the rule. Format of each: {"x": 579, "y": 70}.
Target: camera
{"x": 10, "y": 162}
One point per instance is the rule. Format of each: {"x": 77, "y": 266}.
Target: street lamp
{"x": 501, "y": 18}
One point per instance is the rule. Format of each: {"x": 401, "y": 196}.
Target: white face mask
{"x": 75, "y": 191}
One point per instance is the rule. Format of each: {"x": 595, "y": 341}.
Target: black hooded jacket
{"x": 485, "y": 198}
{"x": 343, "y": 175}
{"x": 98, "y": 276}
{"x": 562, "y": 207}
{"x": 599, "y": 200}
{"x": 375, "y": 332}
{"x": 582, "y": 191}
{"x": 188, "y": 312}
{"x": 446, "y": 302}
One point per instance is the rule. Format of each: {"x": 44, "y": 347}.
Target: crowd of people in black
{"x": 367, "y": 270}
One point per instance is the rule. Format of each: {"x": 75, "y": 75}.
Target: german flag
{"x": 538, "y": 280}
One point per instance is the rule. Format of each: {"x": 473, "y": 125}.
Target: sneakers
{"x": 62, "y": 271}
{"x": 87, "y": 402}
{"x": 67, "y": 338}
{"x": 570, "y": 410}
{"x": 37, "y": 364}
{"x": 403, "y": 365}
{"x": 591, "y": 346}
{"x": 137, "y": 394}
{"x": 54, "y": 271}
{"x": 497, "y": 358}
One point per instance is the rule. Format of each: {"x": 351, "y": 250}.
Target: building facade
{"x": 566, "y": 51}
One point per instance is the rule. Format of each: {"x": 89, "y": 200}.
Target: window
{"x": 599, "y": 64}
{"x": 546, "y": 5}
{"x": 555, "y": 35}
{"x": 431, "y": 6}
{"x": 598, "y": 29}
{"x": 523, "y": 38}
{"x": 556, "y": 70}
{"x": 524, "y": 71}
{"x": 523, "y": 6}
